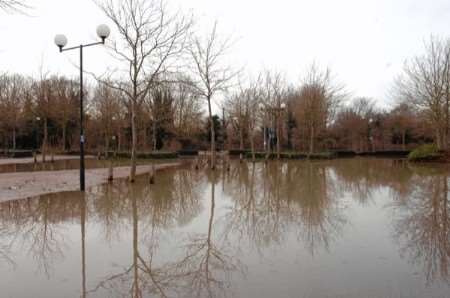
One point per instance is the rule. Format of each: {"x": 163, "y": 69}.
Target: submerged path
{"x": 15, "y": 186}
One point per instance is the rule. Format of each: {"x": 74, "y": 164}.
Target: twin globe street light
{"x": 61, "y": 41}
{"x": 268, "y": 132}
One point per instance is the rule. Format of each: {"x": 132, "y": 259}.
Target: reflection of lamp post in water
{"x": 83, "y": 244}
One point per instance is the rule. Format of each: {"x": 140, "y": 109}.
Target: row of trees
{"x": 44, "y": 113}
{"x": 165, "y": 73}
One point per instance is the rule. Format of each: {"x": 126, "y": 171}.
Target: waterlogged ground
{"x": 343, "y": 228}
{"x": 65, "y": 164}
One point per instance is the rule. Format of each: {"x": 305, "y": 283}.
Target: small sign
{"x": 82, "y": 139}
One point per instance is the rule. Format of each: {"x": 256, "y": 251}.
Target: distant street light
{"x": 61, "y": 41}
{"x": 262, "y": 108}
{"x": 272, "y": 132}
{"x": 38, "y": 119}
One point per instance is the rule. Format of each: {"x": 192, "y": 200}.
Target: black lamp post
{"x": 61, "y": 41}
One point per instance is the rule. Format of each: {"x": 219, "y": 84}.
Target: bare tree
{"x": 67, "y": 95}
{"x": 210, "y": 75}
{"x": 242, "y": 108}
{"x": 13, "y": 6}
{"x": 108, "y": 107}
{"x": 12, "y": 93}
{"x": 317, "y": 101}
{"x": 150, "y": 37}
{"x": 425, "y": 82}
{"x": 273, "y": 96}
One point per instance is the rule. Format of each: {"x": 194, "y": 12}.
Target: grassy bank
{"x": 427, "y": 153}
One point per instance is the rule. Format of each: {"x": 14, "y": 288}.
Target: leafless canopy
{"x": 150, "y": 37}
{"x": 425, "y": 83}
{"x": 13, "y": 6}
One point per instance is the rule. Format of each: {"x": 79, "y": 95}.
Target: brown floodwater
{"x": 343, "y": 228}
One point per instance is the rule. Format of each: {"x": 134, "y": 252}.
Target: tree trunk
{"x": 279, "y": 135}
{"x": 14, "y": 138}
{"x": 438, "y": 139}
{"x": 133, "y": 141}
{"x": 311, "y": 140}
{"x": 446, "y": 130}
{"x": 64, "y": 137}
{"x": 404, "y": 140}
{"x": 154, "y": 134}
{"x": 44, "y": 142}
{"x": 107, "y": 145}
{"x": 213, "y": 136}
{"x": 252, "y": 144}
{"x": 241, "y": 141}
{"x": 119, "y": 142}
{"x": 144, "y": 138}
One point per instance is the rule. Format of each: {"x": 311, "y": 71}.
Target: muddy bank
{"x": 15, "y": 186}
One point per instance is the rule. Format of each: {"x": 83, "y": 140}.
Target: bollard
{"x": 52, "y": 157}
{"x": 196, "y": 163}
{"x": 151, "y": 178}
{"x": 34, "y": 156}
{"x": 111, "y": 171}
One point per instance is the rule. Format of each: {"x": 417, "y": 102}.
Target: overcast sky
{"x": 365, "y": 43}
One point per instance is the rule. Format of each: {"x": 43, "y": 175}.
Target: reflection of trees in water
{"x": 420, "y": 203}
{"x": 207, "y": 265}
{"x": 174, "y": 200}
{"x": 422, "y": 224}
{"x": 362, "y": 177}
{"x": 275, "y": 198}
{"x": 6, "y": 241}
{"x": 38, "y": 226}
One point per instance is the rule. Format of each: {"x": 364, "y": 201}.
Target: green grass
{"x": 424, "y": 152}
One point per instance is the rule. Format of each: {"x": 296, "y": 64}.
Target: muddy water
{"x": 344, "y": 228}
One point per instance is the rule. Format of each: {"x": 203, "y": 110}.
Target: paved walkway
{"x": 29, "y": 184}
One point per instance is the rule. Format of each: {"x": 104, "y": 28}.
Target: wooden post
{"x": 196, "y": 163}
{"x": 52, "y": 157}
{"x": 111, "y": 170}
{"x": 151, "y": 178}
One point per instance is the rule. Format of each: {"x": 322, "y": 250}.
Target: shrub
{"x": 235, "y": 152}
{"x": 323, "y": 155}
{"x": 149, "y": 155}
{"x": 20, "y": 153}
{"x": 424, "y": 152}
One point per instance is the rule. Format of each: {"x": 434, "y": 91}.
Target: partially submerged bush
{"x": 144, "y": 155}
{"x": 293, "y": 155}
{"x": 425, "y": 152}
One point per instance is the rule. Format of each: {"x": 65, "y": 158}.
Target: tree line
{"x": 166, "y": 72}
